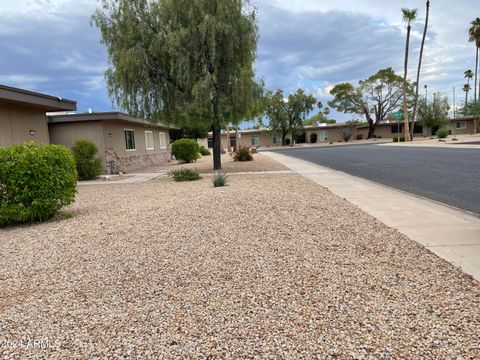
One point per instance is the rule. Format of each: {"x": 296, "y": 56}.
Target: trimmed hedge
{"x": 88, "y": 164}
{"x": 35, "y": 181}
{"x": 442, "y": 133}
{"x": 204, "y": 151}
{"x": 185, "y": 175}
{"x": 186, "y": 150}
{"x": 313, "y": 138}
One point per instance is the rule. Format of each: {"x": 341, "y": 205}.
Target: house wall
{"x": 470, "y": 127}
{"x": 131, "y": 160}
{"x": 16, "y": 122}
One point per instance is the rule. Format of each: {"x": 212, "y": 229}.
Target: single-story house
{"x": 23, "y": 115}
{"x": 464, "y": 125}
{"x": 125, "y": 143}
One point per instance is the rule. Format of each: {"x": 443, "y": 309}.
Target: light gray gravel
{"x": 271, "y": 266}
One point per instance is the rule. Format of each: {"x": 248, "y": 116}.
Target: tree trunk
{"x": 236, "y": 140}
{"x": 371, "y": 130}
{"x": 414, "y": 115}
{"x": 217, "y": 160}
{"x": 228, "y": 138}
{"x": 405, "y": 108}
{"x": 476, "y": 75}
{"x": 284, "y": 136}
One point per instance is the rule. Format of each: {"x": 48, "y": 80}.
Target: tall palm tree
{"x": 466, "y": 88}
{"x": 467, "y": 75}
{"x": 408, "y": 16}
{"x": 474, "y": 36}
{"x": 417, "y": 84}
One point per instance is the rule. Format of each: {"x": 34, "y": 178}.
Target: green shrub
{"x": 346, "y": 134}
{"x": 402, "y": 139}
{"x": 35, "y": 181}
{"x": 186, "y": 175}
{"x": 359, "y": 136}
{"x": 442, "y": 133}
{"x": 204, "y": 151}
{"x": 243, "y": 154}
{"x": 186, "y": 150}
{"x": 219, "y": 179}
{"x": 88, "y": 164}
{"x": 313, "y": 138}
{"x": 287, "y": 141}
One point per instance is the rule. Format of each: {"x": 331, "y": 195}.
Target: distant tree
{"x": 469, "y": 76}
{"x": 466, "y": 88}
{"x": 433, "y": 115}
{"x": 321, "y": 117}
{"x": 375, "y": 98}
{"x": 408, "y": 17}
{"x": 419, "y": 68}
{"x": 287, "y": 116}
{"x": 184, "y": 62}
{"x": 474, "y": 36}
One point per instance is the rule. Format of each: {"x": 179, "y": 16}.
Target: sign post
{"x": 398, "y": 116}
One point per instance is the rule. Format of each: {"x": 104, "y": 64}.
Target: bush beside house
{"x": 186, "y": 150}
{"x": 35, "y": 182}
{"x": 88, "y": 164}
{"x": 442, "y": 133}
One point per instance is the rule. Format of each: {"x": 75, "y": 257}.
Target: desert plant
{"x": 359, "y": 136}
{"x": 287, "y": 141}
{"x": 185, "y": 175}
{"x": 442, "y": 133}
{"x": 88, "y": 164}
{"x": 186, "y": 150}
{"x": 346, "y": 134}
{"x": 219, "y": 179}
{"x": 204, "y": 151}
{"x": 313, "y": 138}
{"x": 243, "y": 154}
{"x": 35, "y": 181}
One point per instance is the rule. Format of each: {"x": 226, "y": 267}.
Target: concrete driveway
{"x": 448, "y": 175}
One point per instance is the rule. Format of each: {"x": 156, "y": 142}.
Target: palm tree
{"x": 417, "y": 84}
{"x": 466, "y": 88}
{"x": 408, "y": 16}
{"x": 474, "y": 36}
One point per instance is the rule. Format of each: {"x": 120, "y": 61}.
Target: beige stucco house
{"x": 23, "y": 115}
{"x": 125, "y": 143}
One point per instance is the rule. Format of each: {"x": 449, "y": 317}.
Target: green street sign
{"x": 398, "y": 115}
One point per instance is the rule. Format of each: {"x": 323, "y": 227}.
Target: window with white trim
{"x": 460, "y": 125}
{"x": 163, "y": 140}
{"x": 129, "y": 139}
{"x": 255, "y": 140}
{"x": 149, "y": 140}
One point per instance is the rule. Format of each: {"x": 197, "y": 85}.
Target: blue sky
{"x": 49, "y": 46}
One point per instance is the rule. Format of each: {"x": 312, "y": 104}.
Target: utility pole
{"x": 454, "y": 114}
{"x": 426, "y": 93}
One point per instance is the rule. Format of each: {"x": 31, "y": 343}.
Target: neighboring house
{"x": 464, "y": 125}
{"x": 23, "y": 115}
{"x": 124, "y": 143}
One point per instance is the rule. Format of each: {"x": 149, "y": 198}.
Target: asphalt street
{"x": 451, "y": 176}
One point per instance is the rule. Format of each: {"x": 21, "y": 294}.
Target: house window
{"x": 149, "y": 140}
{"x": 129, "y": 139}
{"x": 276, "y": 139}
{"x": 460, "y": 125}
{"x": 163, "y": 140}
{"x": 255, "y": 140}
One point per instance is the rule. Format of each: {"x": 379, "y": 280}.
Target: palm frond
{"x": 409, "y": 15}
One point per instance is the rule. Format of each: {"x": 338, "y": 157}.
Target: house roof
{"x": 34, "y": 99}
{"x": 101, "y": 116}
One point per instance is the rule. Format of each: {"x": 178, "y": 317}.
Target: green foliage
{"x": 472, "y": 108}
{"x": 374, "y": 98}
{"x": 287, "y": 141}
{"x": 35, "y": 181}
{"x": 313, "y": 138}
{"x": 185, "y": 62}
{"x": 346, "y": 134}
{"x": 442, "y": 133}
{"x": 88, "y": 164}
{"x": 185, "y": 175}
{"x": 402, "y": 138}
{"x": 289, "y": 116}
{"x": 433, "y": 114}
{"x": 319, "y": 118}
{"x": 204, "y": 151}
{"x": 219, "y": 179}
{"x": 186, "y": 150}
{"x": 243, "y": 154}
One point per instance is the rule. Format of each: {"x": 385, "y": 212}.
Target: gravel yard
{"x": 205, "y": 165}
{"x": 272, "y": 265}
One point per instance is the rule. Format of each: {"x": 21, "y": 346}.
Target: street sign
{"x": 398, "y": 115}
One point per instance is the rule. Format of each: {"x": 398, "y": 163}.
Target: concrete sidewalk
{"x": 450, "y": 233}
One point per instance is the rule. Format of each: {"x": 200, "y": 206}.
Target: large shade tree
{"x": 374, "y": 98}
{"x": 474, "y": 36}
{"x": 186, "y": 62}
{"x": 433, "y": 115}
{"x": 288, "y": 115}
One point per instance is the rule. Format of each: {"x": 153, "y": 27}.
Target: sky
{"x": 49, "y": 46}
